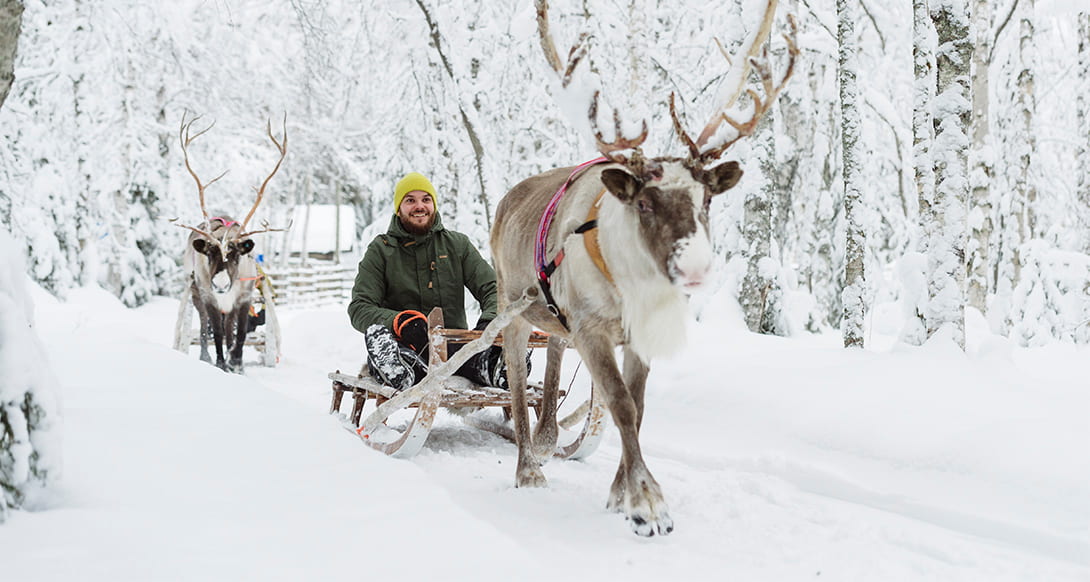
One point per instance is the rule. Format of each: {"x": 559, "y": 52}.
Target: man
{"x": 416, "y": 266}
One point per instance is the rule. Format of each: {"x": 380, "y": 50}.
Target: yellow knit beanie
{"x": 412, "y": 182}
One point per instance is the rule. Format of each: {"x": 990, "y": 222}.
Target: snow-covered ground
{"x": 782, "y": 459}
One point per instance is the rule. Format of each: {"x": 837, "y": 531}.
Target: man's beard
{"x": 419, "y": 230}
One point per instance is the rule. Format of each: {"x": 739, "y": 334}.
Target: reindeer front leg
{"x": 635, "y": 491}
{"x": 205, "y": 326}
{"x": 216, "y": 320}
{"x": 239, "y": 325}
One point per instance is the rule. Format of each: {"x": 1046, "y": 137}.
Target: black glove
{"x": 411, "y": 328}
{"x": 481, "y": 324}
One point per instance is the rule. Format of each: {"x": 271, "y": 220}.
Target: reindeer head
{"x": 669, "y": 198}
{"x": 223, "y": 242}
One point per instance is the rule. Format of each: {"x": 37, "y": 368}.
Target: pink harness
{"x": 545, "y": 270}
{"x": 226, "y": 223}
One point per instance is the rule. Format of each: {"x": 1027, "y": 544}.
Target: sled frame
{"x": 437, "y": 390}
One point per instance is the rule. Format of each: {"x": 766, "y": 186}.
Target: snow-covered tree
{"x": 946, "y": 228}
{"x": 854, "y": 293}
{"x": 1083, "y": 106}
{"x": 981, "y": 163}
{"x": 29, "y": 457}
{"x": 924, "y": 43}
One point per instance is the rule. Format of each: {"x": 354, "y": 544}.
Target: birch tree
{"x": 923, "y": 133}
{"x": 854, "y": 281}
{"x": 981, "y": 163}
{"x": 946, "y": 228}
{"x": 1083, "y": 106}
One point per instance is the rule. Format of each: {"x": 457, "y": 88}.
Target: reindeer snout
{"x": 691, "y": 264}
{"x": 221, "y": 282}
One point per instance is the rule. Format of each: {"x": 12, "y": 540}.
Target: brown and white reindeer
{"x": 623, "y": 277}
{"x": 222, "y": 272}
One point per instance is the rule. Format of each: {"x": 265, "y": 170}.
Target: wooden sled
{"x": 265, "y": 339}
{"x": 438, "y": 390}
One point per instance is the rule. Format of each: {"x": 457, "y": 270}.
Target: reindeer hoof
{"x": 645, "y": 528}
{"x": 531, "y": 478}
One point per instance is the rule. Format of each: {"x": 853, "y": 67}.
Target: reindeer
{"x": 624, "y": 276}
{"x": 222, "y": 272}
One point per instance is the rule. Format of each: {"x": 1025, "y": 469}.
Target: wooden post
{"x": 306, "y": 223}
{"x": 337, "y": 217}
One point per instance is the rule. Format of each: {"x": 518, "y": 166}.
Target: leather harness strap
{"x": 589, "y": 230}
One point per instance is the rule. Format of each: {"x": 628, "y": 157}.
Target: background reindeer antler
{"x": 185, "y": 138}
{"x": 282, "y": 147}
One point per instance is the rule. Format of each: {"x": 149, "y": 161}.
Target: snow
{"x": 782, "y": 459}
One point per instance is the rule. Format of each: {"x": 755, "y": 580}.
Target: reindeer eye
{"x": 644, "y": 205}
{"x": 707, "y": 204}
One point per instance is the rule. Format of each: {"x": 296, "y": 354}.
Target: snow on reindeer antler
{"x": 710, "y": 145}
{"x": 755, "y": 51}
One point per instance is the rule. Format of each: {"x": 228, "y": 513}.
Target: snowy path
{"x": 795, "y": 462}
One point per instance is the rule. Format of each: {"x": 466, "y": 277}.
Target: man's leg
{"x": 487, "y": 368}
{"x": 391, "y": 362}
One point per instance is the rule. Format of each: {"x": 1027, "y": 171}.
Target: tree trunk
{"x": 1024, "y": 193}
{"x": 946, "y": 247}
{"x": 1084, "y": 130}
{"x": 854, "y": 294}
{"x": 467, "y": 121}
{"x": 11, "y": 18}
{"x": 981, "y": 163}
{"x": 757, "y": 285}
{"x": 923, "y": 130}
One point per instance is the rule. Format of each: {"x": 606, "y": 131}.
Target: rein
{"x": 544, "y": 271}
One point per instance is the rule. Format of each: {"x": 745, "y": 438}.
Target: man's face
{"x": 417, "y": 212}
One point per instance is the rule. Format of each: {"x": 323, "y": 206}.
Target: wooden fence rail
{"x": 312, "y": 284}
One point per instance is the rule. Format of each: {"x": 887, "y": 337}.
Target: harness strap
{"x": 589, "y": 230}
{"x": 545, "y": 270}
{"x": 226, "y": 223}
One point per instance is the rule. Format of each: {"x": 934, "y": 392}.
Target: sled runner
{"x": 265, "y": 337}
{"x": 438, "y": 390}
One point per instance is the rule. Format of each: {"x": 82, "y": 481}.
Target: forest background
{"x": 91, "y": 170}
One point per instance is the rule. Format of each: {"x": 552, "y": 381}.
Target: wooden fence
{"x": 314, "y": 284}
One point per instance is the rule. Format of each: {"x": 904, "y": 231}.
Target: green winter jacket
{"x": 403, "y": 271}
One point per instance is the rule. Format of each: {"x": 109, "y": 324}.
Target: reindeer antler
{"x": 756, "y": 56}
{"x": 282, "y": 147}
{"x": 610, "y": 149}
{"x": 265, "y": 228}
{"x": 185, "y": 138}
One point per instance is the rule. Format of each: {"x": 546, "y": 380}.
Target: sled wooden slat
{"x": 437, "y": 390}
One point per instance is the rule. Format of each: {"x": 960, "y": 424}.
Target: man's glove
{"x": 481, "y": 324}
{"x": 411, "y": 327}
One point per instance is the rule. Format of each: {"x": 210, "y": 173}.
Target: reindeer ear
{"x": 245, "y": 246}
{"x": 622, "y": 184}
{"x": 200, "y": 245}
{"x": 721, "y": 178}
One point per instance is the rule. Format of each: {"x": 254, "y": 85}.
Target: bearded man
{"x": 415, "y": 266}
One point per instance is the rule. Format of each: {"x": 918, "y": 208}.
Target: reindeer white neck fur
{"x": 654, "y": 305}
